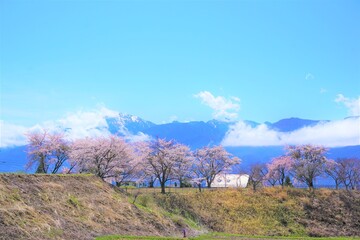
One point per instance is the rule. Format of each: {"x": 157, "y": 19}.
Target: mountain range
{"x": 195, "y": 134}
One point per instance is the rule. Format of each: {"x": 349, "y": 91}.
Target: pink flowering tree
{"x": 143, "y": 171}
{"x": 48, "y": 151}
{"x": 211, "y": 161}
{"x": 278, "y": 169}
{"x": 110, "y": 158}
{"x": 183, "y": 161}
{"x": 309, "y": 162}
{"x": 163, "y": 160}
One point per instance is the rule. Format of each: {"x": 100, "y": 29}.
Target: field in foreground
{"x": 214, "y": 236}
{"x": 85, "y": 207}
{"x": 72, "y": 207}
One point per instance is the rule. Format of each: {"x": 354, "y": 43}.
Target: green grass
{"x": 222, "y": 236}
{"x": 74, "y": 201}
{"x": 238, "y": 236}
{"x": 118, "y": 237}
{"x": 216, "y": 235}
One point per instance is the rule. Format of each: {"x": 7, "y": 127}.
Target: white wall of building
{"x": 231, "y": 180}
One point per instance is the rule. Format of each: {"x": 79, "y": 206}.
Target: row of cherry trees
{"x": 304, "y": 164}
{"x": 113, "y": 159}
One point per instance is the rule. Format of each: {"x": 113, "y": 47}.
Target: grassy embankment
{"x": 83, "y": 207}
{"x": 214, "y": 236}
{"x": 270, "y": 211}
{"x": 72, "y": 207}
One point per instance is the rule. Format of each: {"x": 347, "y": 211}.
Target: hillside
{"x": 271, "y": 211}
{"x": 71, "y": 207}
{"x": 83, "y": 207}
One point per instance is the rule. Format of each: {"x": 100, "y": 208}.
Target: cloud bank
{"x": 330, "y": 134}
{"x": 12, "y": 135}
{"x": 224, "y": 109}
{"x": 85, "y": 123}
{"x": 76, "y": 125}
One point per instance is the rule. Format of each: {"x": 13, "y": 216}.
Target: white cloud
{"x": 353, "y": 105}
{"x": 224, "y": 109}
{"x": 11, "y": 134}
{"x": 331, "y": 134}
{"x": 76, "y": 125}
{"x": 85, "y": 123}
{"x": 242, "y": 134}
{"x": 140, "y": 137}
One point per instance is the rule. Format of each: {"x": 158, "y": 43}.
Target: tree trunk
{"x": 208, "y": 183}
{"x": 282, "y": 182}
{"x": 151, "y": 182}
{"x": 311, "y": 185}
{"x": 162, "y": 187}
{"x": 254, "y": 186}
{"x": 199, "y": 185}
{"x": 41, "y": 167}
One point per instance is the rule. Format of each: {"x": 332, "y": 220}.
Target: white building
{"x": 231, "y": 180}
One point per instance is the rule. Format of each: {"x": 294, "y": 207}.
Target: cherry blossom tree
{"x": 211, "y": 161}
{"x": 38, "y": 150}
{"x": 162, "y": 159}
{"x": 48, "y": 151}
{"x": 143, "y": 172}
{"x": 110, "y": 158}
{"x": 278, "y": 169}
{"x": 308, "y": 162}
{"x": 183, "y": 162}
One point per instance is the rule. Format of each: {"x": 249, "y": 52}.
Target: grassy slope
{"x": 271, "y": 211}
{"x": 82, "y": 207}
{"x": 214, "y": 236}
{"x": 71, "y": 207}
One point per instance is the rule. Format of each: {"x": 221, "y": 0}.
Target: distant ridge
{"x": 195, "y": 134}
{"x": 126, "y": 123}
{"x": 292, "y": 124}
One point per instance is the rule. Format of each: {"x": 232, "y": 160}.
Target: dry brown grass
{"x": 71, "y": 207}
{"x": 272, "y": 211}
{"x": 83, "y": 206}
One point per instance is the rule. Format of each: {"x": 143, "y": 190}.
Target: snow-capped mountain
{"x": 125, "y": 124}
{"x": 197, "y": 134}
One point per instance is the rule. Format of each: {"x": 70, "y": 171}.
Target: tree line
{"x": 304, "y": 164}
{"x": 113, "y": 159}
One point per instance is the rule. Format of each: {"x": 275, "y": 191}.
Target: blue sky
{"x": 180, "y": 60}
